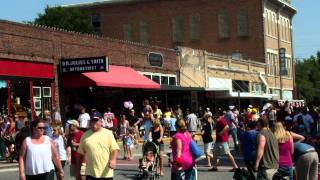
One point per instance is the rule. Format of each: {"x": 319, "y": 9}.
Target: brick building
{"x": 29, "y": 67}
{"x": 252, "y": 30}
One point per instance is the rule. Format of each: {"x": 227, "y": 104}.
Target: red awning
{"x": 26, "y": 69}
{"x": 117, "y": 76}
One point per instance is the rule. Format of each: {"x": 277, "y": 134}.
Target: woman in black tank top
{"x": 157, "y": 135}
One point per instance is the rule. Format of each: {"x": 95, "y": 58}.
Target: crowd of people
{"x": 272, "y": 139}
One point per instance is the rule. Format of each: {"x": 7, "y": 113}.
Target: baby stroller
{"x": 149, "y": 162}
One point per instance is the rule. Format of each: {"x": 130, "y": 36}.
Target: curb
{"x": 8, "y": 166}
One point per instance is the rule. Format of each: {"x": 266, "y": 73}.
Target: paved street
{"x": 129, "y": 169}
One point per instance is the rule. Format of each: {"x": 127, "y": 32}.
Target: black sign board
{"x": 80, "y": 65}
{"x": 155, "y": 59}
{"x": 283, "y": 62}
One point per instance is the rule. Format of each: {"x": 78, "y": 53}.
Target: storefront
{"x": 92, "y": 83}
{"x": 26, "y": 88}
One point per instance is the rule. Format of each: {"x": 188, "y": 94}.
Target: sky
{"x": 306, "y": 23}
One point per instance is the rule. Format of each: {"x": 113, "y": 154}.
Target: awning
{"x": 117, "y": 76}
{"x": 26, "y": 69}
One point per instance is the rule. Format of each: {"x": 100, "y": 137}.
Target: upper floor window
{"x": 243, "y": 22}
{"x": 224, "y": 24}
{"x": 127, "y": 32}
{"x": 194, "y": 21}
{"x": 144, "y": 32}
{"x": 96, "y": 23}
{"x": 177, "y": 29}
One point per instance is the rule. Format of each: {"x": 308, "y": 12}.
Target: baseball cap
{"x": 73, "y": 122}
{"x": 96, "y": 115}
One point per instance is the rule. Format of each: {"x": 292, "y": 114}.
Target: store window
{"x": 3, "y": 97}
{"x": 165, "y": 80}
{"x": 172, "y": 81}
{"x": 156, "y": 78}
{"x": 238, "y": 85}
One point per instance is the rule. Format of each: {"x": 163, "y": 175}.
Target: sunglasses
{"x": 41, "y": 128}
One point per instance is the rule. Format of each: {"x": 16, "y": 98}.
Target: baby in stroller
{"x": 148, "y": 164}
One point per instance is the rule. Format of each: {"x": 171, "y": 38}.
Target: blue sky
{"x": 306, "y": 35}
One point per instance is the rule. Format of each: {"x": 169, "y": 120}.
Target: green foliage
{"x": 71, "y": 19}
{"x": 308, "y": 79}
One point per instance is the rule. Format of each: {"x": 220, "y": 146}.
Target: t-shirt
{"x": 248, "y": 141}
{"x": 188, "y": 161}
{"x": 76, "y": 138}
{"x": 192, "y": 121}
{"x": 207, "y": 136}
{"x": 97, "y": 147}
{"x": 173, "y": 124}
{"x": 221, "y": 124}
{"x": 301, "y": 149}
{"x": 132, "y": 119}
{"x": 307, "y": 120}
{"x": 84, "y": 120}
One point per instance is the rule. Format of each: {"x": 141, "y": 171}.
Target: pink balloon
{"x": 126, "y": 104}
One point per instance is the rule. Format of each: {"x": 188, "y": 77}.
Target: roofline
{"x": 59, "y": 30}
{"x": 105, "y": 2}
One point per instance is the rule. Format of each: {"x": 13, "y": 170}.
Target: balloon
{"x": 130, "y": 105}
{"x": 126, "y": 104}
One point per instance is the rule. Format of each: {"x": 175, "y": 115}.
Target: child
{"x": 149, "y": 161}
{"x": 124, "y": 126}
{"x": 129, "y": 143}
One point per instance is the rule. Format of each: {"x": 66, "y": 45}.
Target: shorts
{"x": 221, "y": 148}
{"x": 208, "y": 147}
{"x": 161, "y": 147}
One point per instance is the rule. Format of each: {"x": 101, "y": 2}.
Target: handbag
{"x": 195, "y": 150}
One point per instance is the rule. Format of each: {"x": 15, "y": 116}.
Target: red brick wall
{"x": 159, "y": 14}
{"x": 47, "y": 43}
{"x": 29, "y": 43}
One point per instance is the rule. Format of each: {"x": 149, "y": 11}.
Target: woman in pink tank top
{"x": 285, "y": 142}
{"x": 183, "y": 162}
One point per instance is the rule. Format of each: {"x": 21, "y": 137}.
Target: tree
{"x": 308, "y": 79}
{"x": 71, "y": 19}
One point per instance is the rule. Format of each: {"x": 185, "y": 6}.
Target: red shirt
{"x": 221, "y": 124}
{"x": 76, "y": 138}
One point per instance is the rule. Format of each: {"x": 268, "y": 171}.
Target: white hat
{"x": 73, "y": 122}
{"x": 231, "y": 107}
{"x": 266, "y": 106}
{"x": 250, "y": 106}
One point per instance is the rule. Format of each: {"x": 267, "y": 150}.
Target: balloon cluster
{"x": 128, "y": 105}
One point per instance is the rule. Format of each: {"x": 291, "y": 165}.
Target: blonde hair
{"x": 58, "y": 128}
{"x": 156, "y": 123}
{"x": 181, "y": 125}
{"x": 280, "y": 133}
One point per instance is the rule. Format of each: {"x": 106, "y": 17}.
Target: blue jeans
{"x": 286, "y": 171}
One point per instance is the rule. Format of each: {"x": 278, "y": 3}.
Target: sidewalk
{"x": 6, "y": 165}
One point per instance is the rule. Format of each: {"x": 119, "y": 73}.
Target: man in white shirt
{"x": 84, "y": 119}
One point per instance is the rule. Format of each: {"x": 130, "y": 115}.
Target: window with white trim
{"x": 162, "y": 79}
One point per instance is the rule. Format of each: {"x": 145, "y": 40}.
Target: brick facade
{"x": 42, "y": 44}
{"x": 159, "y": 13}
